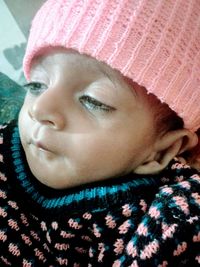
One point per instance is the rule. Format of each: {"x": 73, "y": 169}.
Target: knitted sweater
{"x": 128, "y": 221}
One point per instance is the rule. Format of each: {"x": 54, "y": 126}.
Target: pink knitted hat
{"x": 156, "y": 43}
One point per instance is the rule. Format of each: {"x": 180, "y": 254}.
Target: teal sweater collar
{"x": 98, "y": 195}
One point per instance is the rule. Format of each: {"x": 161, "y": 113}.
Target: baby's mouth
{"x": 40, "y": 146}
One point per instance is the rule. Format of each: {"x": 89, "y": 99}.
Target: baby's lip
{"x": 40, "y": 145}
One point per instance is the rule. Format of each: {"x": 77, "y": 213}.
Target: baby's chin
{"x": 51, "y": 177}
{"x": 46, "y": 178}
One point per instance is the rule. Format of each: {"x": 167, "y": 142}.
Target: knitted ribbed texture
{"x": 133, "y": 221}
{"x": 155, "y": 43}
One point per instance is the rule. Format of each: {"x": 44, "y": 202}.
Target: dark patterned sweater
{"x": 128, "y": 221}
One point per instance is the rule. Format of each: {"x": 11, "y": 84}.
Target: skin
{"x": 70, "y": 139}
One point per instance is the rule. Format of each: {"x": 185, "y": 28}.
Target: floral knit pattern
{"x": 127, "y": 222}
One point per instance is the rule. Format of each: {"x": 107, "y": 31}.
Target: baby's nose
{"x": 47, "y": 110}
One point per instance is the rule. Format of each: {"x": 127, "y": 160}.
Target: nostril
{"x": 53, "y": 121}
{"x": 46, "y": 112}
{"x": 48, "y": 123}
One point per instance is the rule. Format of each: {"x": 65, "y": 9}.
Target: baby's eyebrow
{"x": 110, "y": 77}
{"x": 131, "y": 86}
{"x": 128, "y": 82}
{"x": 134, "y": 91}
{"x": 38, "y": 70}
{"x": 106, "y": 74}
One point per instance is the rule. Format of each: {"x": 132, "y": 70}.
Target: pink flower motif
{"x": 197, "y": 258}
{"x": 3, "y": 213}
{"x": 73, "y": 224}
{"x": 3, "y": 194}
{"x": 26, "y": 263}
{"x": 64, "y": 234}
{"x": 149, "y": 250}
{"x": 1, "y": 140}
{"x": 185, "y": 184}
{"x": 24, "y": 219}
{"x": 110, "y": 222}
{"x": 101, "y": 248}
{"x": 26, "y": 239}
{"x": 87, "y": 216}
{"x": 192, "y": 219}
{"x": 13, "y": 224}
{"x": 196, "y": 197}
{"x": 13, "y": 204}
{"x": 179, "y": 166}
{"x": 165, "y": 179}
{"x": 123, "y": 229}
{"x": 96, "y": 230}
{"x": 35, "y": 235}
{"x": 196, "y": 178}
{"x": 14, "y": 249}
{"x": 180, "y": 249}
{"x": 81, "y": 250}
{"x": 182, "y": 203}
{"x": 1, "y": 158}
{"x": 119, "y": 246}
{"x": 5, "y": 260}
{"x": 91, "y": 254}
{"x": 3, "y": 236}
{"x": 163, "y": 264}
{"x": 40, "y": 255}
{"x": 142, "y": 229}
{"x": 62, "y": 261}
{"x": 143, "y": 204}
{"x": 45, "y": 246}
{"x": 179, "y": 178}
{"x": 62, "y": 246}
{"x": 196, "y": 238}
{"x": 154, "y": 212}
{"x": 131, "y": 250}
{"x": 3, "y": 177}
{"x": 167, "y": 190}
{"x": 168, "y": 230}
{"x": 126, "y": 210}
{"x": 43, "y": 226}
{"x": 117, "y": 263}
{"x": 54, "y": 225}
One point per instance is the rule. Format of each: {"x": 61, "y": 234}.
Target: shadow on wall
{"x": 16, "y": 17}
{"x": 14, "y": 55}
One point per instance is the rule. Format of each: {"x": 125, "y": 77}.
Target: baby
{"x": 94, "y": 171}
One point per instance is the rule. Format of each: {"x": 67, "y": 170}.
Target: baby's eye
{"x": 92, "y": 104}
{"x": 35, "y": 88}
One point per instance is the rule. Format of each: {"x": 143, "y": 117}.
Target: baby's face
{"x": 81, "y": 122}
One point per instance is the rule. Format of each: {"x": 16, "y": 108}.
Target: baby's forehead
{"x": 59, "y": 57}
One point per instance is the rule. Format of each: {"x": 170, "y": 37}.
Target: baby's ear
{"x": 165, "y": 149}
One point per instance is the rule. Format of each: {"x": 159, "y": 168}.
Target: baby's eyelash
{"x": 93, "y": 104}
{"x": 35, "y": 88}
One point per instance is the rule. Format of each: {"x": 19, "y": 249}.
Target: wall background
{"x": 16, "y": 17}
